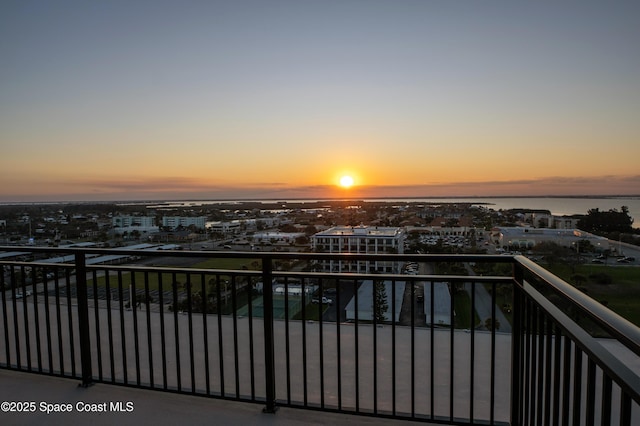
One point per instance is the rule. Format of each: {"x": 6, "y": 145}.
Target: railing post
{"x": 269, "y": 352}
{"x": 516, "y": 345}
{"x": 83, "y": 319}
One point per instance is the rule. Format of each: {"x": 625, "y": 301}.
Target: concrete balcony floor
{"x": 151, "y": 407}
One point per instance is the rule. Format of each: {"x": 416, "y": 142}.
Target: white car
{"x": 325, "y": 300}
{"x": 19, "y": 295}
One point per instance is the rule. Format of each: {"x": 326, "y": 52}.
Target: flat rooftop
{"x": 369, "y": 231}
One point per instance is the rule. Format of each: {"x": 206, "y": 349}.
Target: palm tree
{"x": 380, "y": 305}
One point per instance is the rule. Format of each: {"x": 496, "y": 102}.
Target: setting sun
{"x": 346, "y": 181}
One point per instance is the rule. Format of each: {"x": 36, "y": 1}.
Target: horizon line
{"x": 288, "y": 199}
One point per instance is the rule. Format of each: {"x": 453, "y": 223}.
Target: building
{"x": 359, "y": 239}
{"x": 175, "y": 222}
{"x": 231, "y": 227}
{"x": 277, "y": 237}
{"x": 521, "y": 238}
{"x": 129, "y": 221}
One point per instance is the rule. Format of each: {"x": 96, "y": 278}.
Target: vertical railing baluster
{"x": 36, "y": 316}
{"x": 252, "y": 370}
{"x": 192, "y": 369}
{"x": 16, "y": 329}
{"x": 220, "y": 335}
{"x": 47, "y": 321}
{"x": 236, "y": 347}
{"x": 305, "y": 374}
{"x": 176, "y": 333}
{"x": 147, "y": 300}
{"x": 357, "y": 347}
{"x": 374, "y": 352}
{"x": 540, "y": 367}
{"x": 287, "y": 340}
{"x": 205, "y": 314}
{"x": 5, "y": 319}
{"x": 566, "y": 380}
{"x": 133, "y": 302}
{"x": 577, "y": 385}
{"x": 432, "y": 363}
{"x": 473, "y": 337}
{"x": 269, "y": 351}
{"x": 605, "y": 418}
{"x": 107, "y": 280}
{"x": 557, "y": 368}
{"x": 338, "y": 286}
{"x": 534, "y": 366}
{"x": 625, "y": 409}
{"x": 83, "y": 318}
{"x": 321, "y": 341}
{"x": 591, "y": 392}
{"x": 96, "y": 313}
{"x": 548, "y": 371}
{"x": 492, "y": 389}
{"x": 25, "y": 314}
{"x": 413, "y": 350}
{"x": 163, "y": 344}
{"x": 452, "y": 351}
{"x": 393, "y": 346}
{"x": 516, "y": 414}
{"x": 72, "y": 349}
{"x": 123, "y": 339}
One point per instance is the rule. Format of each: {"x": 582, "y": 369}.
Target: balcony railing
{"x": 519, "y": 348}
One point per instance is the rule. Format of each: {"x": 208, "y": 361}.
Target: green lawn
{"x": 168, "y": 278}
{"x": 622, "y": 295}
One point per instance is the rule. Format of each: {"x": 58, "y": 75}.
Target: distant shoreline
{"x": 315, "y": 199}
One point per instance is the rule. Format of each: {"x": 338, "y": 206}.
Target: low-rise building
{"x": 522, "y": 238}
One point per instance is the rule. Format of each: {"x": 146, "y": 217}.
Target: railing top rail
{"x": 267, "y": 254}
{"x": 620, "y": 328}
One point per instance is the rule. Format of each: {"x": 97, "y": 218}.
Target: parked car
{"x": 325, "y": 300}
{"x": 19, "y": 295}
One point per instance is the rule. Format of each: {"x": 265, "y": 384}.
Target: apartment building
{"x": 129, "y": 221}
{"x": 359, "y": 239}
{"x": 174, "y": 222}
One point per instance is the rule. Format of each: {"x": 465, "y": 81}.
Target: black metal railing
{"x": 446, "y": 345}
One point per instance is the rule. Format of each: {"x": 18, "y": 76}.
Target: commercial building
{"x": 363, "y": 240}
{"x": 174, "y": 222}
{"x": 521, "y": 238}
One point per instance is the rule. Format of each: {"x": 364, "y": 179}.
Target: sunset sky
{"x": 134, "y": 99}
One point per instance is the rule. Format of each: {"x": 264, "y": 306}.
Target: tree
{"x": 605, "y": 222}
{"x": 380, "y": 305}
{"x": 492, "y": 324}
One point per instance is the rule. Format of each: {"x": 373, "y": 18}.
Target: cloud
{"x": 185, "y": 188}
